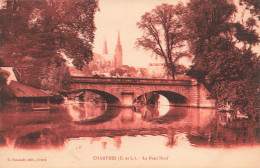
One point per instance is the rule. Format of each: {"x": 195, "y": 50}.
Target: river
{"x": 82, "y": 134}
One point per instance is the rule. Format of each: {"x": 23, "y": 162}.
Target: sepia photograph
{"x": 129, "y": 83}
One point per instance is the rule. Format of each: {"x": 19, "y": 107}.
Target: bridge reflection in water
{"x": 103, "y": 123}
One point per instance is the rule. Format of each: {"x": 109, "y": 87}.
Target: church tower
{"x": 118, "y": 58}
{"x": 105, "y": 47}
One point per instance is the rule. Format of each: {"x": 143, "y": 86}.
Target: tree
{"x": 3, "y": 82}
{"x": 55, "y": 78}
{"x": 78, "y": 28}
{"x": 206, "y": 21}
{"x": 143, "y": 73}
{"x": 33, "y": 33}
{"x": 3, "y": 78}
{"x": 223, "y": 53}
{"x": 247, "y": 34}
{"x": 62, "y": 25}
{"x": 253, "y": 5}
{"x": 163, "y": 34}
{"x": 124, "y": 71}
{"x": 117, "y": 72}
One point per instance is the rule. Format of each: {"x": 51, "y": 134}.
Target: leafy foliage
{"x": 37, "y": 31}
{"x": 3, "y": 77}
{"x": 56, "y": 78}
{"x": 125, "y": 70}
{"x": 3, "y": 82}
{"x": 253, "y": 5}
{"x": 223, "y": 53}
{"x": 206, "y": 21}
{"x": 41, "y": 28}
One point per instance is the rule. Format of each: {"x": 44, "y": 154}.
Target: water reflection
{"x": 2, "y": 139}
{"x": 40, "y": 139}
{"x": 104, "y": 141}
{"x": 161, "y": 114}
{"x": 108, "y": 125}
{"x": 101, "y": 116}
{"x": 84, "y": 110}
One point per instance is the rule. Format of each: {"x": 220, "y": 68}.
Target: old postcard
{"x": 129, "y": 83}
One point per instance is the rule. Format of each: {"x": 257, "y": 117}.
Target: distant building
{"x": 103, "y": 63}
{"x": 156, "y": 70}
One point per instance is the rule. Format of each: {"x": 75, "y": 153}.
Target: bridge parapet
{"x": 133, "y": 81}
{"x": 125, "y": 90}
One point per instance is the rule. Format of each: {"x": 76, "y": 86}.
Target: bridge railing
{"x": 136, "y": 81}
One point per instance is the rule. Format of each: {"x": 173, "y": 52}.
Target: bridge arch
{"x": 108, "y": 97}
{"x": 174, "y": 98}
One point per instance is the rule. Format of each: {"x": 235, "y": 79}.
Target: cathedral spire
{"x": 105, "y": 47}
{"x": 118, "y": 58}
{"x": 118, "y": 40}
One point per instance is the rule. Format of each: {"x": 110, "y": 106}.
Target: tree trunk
{"x": 173, "y": 72}
{"x": 173, "y": 76}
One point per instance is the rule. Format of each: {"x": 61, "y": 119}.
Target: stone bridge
{"x": 123, "y": 91}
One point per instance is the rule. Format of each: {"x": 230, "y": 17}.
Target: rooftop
{"x": 20, "y": 90}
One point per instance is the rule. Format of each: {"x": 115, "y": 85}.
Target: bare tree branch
{"x": 163, "y": 18}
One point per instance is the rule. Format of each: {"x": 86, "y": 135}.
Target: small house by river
{"x": 24, "y": 95}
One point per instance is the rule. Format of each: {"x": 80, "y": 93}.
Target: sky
{"x": 122, "y": 15}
